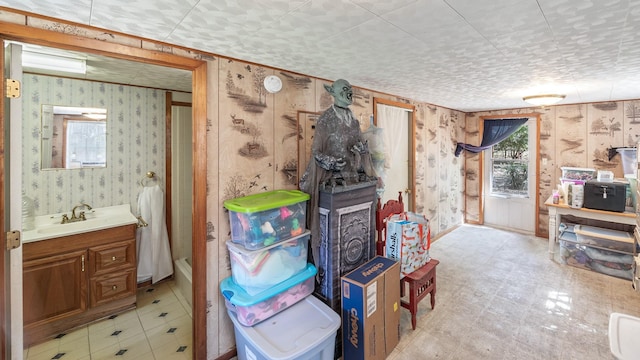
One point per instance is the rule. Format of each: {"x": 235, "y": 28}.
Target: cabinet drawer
{"x": 107, "y": 258}
{"x": 112, "y": 287}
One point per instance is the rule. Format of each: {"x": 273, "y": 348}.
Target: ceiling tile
{"x": 460, "y": 54}
{"x": 152, "y": 19}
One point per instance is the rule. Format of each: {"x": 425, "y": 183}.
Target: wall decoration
{"x": 360, "y": 99}
{"x": 290, "y": 171}
{"x": 239, "y": 186}
{"x": 605, "y": 125}
{"x": 632, "y": 111}
{"x": 292, "y": 124}
{"x": 630, "y": 121}
{"x": 253, "y": 149}
{"x": 211, "y": 230}
{"x": 606, "y": 106}
{"x": 238, "y": 93}
{"x": 298, "y": 82}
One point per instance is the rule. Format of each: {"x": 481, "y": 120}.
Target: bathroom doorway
{"x": 197, "y": 69}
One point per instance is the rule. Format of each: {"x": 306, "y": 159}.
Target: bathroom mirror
{"x": 73, "y": 137}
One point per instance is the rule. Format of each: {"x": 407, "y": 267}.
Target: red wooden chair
{"x": 422, "y": 282}
{"x": 391, "y": 207}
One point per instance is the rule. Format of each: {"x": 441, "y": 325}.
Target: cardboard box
{"x": 371, "y": 310}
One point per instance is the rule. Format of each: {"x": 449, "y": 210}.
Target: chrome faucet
{"x": 74, "y": 217}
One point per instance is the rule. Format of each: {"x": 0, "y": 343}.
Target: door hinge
{"x": 13, "y": 239}
{"x": 13, "y": 88}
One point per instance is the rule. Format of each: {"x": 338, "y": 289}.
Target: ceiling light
{"x": 96, "y": 116}
{"x": 542, "y": 100}
{"x": 53, "y": 62}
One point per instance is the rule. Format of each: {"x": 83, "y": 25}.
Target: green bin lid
{"x": 266, "y": 200}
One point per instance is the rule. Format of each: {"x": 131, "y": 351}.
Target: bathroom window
{"x": 85, "y": 143}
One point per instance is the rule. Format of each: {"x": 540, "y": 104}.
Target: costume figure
{"x": 339, "y": 156}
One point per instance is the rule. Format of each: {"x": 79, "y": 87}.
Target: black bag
{"x": 608, "y": 196}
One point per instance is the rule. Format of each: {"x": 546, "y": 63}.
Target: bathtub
{"x": 183, "y": 278}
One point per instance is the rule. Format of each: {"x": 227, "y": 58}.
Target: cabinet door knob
{"x": 113, "y": 258}
{"x": 114, "y": 287}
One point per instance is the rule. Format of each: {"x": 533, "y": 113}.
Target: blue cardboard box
{"x": 371, "y": 310}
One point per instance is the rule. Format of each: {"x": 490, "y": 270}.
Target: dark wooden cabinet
{"x": 73, "y": 280}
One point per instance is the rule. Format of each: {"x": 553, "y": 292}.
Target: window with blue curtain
{"x": 494, "y": 132}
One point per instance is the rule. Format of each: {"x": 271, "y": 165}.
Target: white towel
{"x": 154, "y": 254}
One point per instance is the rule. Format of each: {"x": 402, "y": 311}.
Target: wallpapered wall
{"x": 135, "y": 143}
{"x": 570, "y": 135}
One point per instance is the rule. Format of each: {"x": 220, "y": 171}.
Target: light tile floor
{"x": 158, "y": 329}
{"x": 499, "y": 296}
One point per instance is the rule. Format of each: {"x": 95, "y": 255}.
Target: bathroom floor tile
{"x": 123, "y": 336}
{"x": 70, "y": 350}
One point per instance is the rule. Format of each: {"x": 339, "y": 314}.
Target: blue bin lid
{"x": 236, "y": 295}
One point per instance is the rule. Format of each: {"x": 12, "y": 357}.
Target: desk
{"x": 557, "y": 210}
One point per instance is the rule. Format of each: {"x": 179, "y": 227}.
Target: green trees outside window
{"x": 510, "y": 165}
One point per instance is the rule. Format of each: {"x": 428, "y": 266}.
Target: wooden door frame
{"x": 481, "y": 165}
{"x": 4, "y": 325}
{"x": 412, "y": 146}
{"x": 22, "y": 33}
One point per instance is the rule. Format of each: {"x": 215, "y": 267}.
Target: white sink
{"x": 50, "y": 226}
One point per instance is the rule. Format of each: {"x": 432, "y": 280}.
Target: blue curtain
{"x": 494, "y": 132}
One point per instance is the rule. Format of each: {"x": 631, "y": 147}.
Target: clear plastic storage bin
{"x": 604, "y": 238}
{"x": 251, "y": 310}
{"x": 574, "y": 173}
{"x": 305, "y": 331}
{"x": 257, "y": 270}
{"x": 595, "y": 259}
{"x": 629, "y": 160}
{"x": 263, "y": 219}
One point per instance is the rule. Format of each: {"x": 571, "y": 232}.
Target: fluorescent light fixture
{"x": 96, "y": 116}
{"x": 543, "y": 100}
{"x": 53, "y": 62}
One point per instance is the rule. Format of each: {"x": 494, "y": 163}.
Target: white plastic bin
{"x": 623, "y": 336}
{"x": 305, "y": 331}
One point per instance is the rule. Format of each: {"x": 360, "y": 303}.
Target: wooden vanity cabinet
{"x": 73, "y": 280}
{"x": 54, "y": 287}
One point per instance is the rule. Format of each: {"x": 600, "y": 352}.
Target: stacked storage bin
{"x": 268, "y": 254}
{"x": 271, "y": 279}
